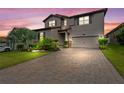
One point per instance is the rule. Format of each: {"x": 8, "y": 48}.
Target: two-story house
{"x": 80, "y": 30}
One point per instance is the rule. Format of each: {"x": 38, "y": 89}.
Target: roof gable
{"x": 115, "y": 29}
{"x": 88, "y": 13}
{"x": 55, "y": 15}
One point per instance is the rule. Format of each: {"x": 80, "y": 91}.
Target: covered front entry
{"x": 63, "y": 37}
{"x": 85, "y": 41}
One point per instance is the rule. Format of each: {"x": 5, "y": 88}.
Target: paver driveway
{"x": 74, "y": 65}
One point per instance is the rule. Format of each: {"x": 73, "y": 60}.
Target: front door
{"x": 62, "y": 38}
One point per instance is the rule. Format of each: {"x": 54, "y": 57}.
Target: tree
{"x": 120, "y": 36}
{"x": 21, "y": 36}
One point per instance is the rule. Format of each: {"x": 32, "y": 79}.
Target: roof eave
{"x": 41, "y": 29}
{"x": 90, "y": 13}
{"x": 122, "y": 24}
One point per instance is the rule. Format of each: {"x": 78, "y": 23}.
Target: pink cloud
{"x": 31, "y": 23}
{"x": 8, "y": 24}
{"x": 110, "y": 26}
{"x": 74, "y": 11}
{"x": 9, "y": 13}
{"x": 33, "y": 17}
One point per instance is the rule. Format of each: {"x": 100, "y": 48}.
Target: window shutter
{"x": 55, "y": 23}
{"x": 90, "y": 19}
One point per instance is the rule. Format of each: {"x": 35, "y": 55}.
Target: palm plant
{"x": 21, "y": 36}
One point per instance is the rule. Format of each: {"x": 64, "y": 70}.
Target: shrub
{"x": 54, "y": 46}
{"x": 37, "y": 46}
{"x": 102, "y": 47}
{"x": 55, "y": 40}
{"x": 103, "y": 42}
{"x": 20, "y": 47}
{"x": 120, "y": 36}
{"x": 65, "y": 44}
{"x": 47, "y": 44}
{"x": 50, "y": 44}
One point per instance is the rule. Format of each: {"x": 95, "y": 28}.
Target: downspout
{"x": 68, "y": 33}
{"x": 68, "y": 39}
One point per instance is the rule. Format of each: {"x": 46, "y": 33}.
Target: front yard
{"x": 115, "y": 53}
{"x": 12, "y": 58}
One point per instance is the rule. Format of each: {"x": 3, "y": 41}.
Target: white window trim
{"x": 65, "y": 22}
{"x": 84, "y": 20}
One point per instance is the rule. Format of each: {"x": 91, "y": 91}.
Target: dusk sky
{"x": 32, "y": 18}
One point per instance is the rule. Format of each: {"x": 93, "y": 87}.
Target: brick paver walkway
{"x": 73, "y": 65}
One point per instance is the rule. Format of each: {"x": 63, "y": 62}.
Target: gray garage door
{"x": 86, "y": 42}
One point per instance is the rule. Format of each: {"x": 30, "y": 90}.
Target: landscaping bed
{"x": 12, "y": 58}
{"x": 115, "y": 53}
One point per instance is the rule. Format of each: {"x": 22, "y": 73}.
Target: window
{"x": 52, "y": 23}
{"x": 84, "y": 20}
{"x": 65, "y": 22}
{"x": 41, "y": 35}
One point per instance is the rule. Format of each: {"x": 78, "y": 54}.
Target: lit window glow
{"x": 83, "y": 20}
{"x": 52, "y": 23}
{"x": 65, "y": 22}
{"x": 41, "y": 35}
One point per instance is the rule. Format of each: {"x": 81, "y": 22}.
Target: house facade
{"x": 112, "y": 34}
{"x": 80, "y": 30}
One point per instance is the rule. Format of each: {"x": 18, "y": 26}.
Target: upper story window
{"x": 52, "y": 23}
{"x": 83, "y": 20}
{"x": 65, "y": 22}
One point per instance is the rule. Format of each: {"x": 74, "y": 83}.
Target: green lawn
{"x": 115, "y": 53}
{"x": 12, "y": 58}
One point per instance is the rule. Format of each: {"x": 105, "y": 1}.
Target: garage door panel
{"x": 87, "y": 42}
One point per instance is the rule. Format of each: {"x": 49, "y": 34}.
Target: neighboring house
{"x": 80, "y": 30}
{"x": 112, "y": 34}
{"x": 3, "y": 41}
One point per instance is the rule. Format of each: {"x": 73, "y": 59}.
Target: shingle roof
{"x": 40, "y": 29}
{"x": 115, "y": 29}
{"x": 88, "y": 13}
{"x": 92, "y": 12}
{"x": 56, "y": 15}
